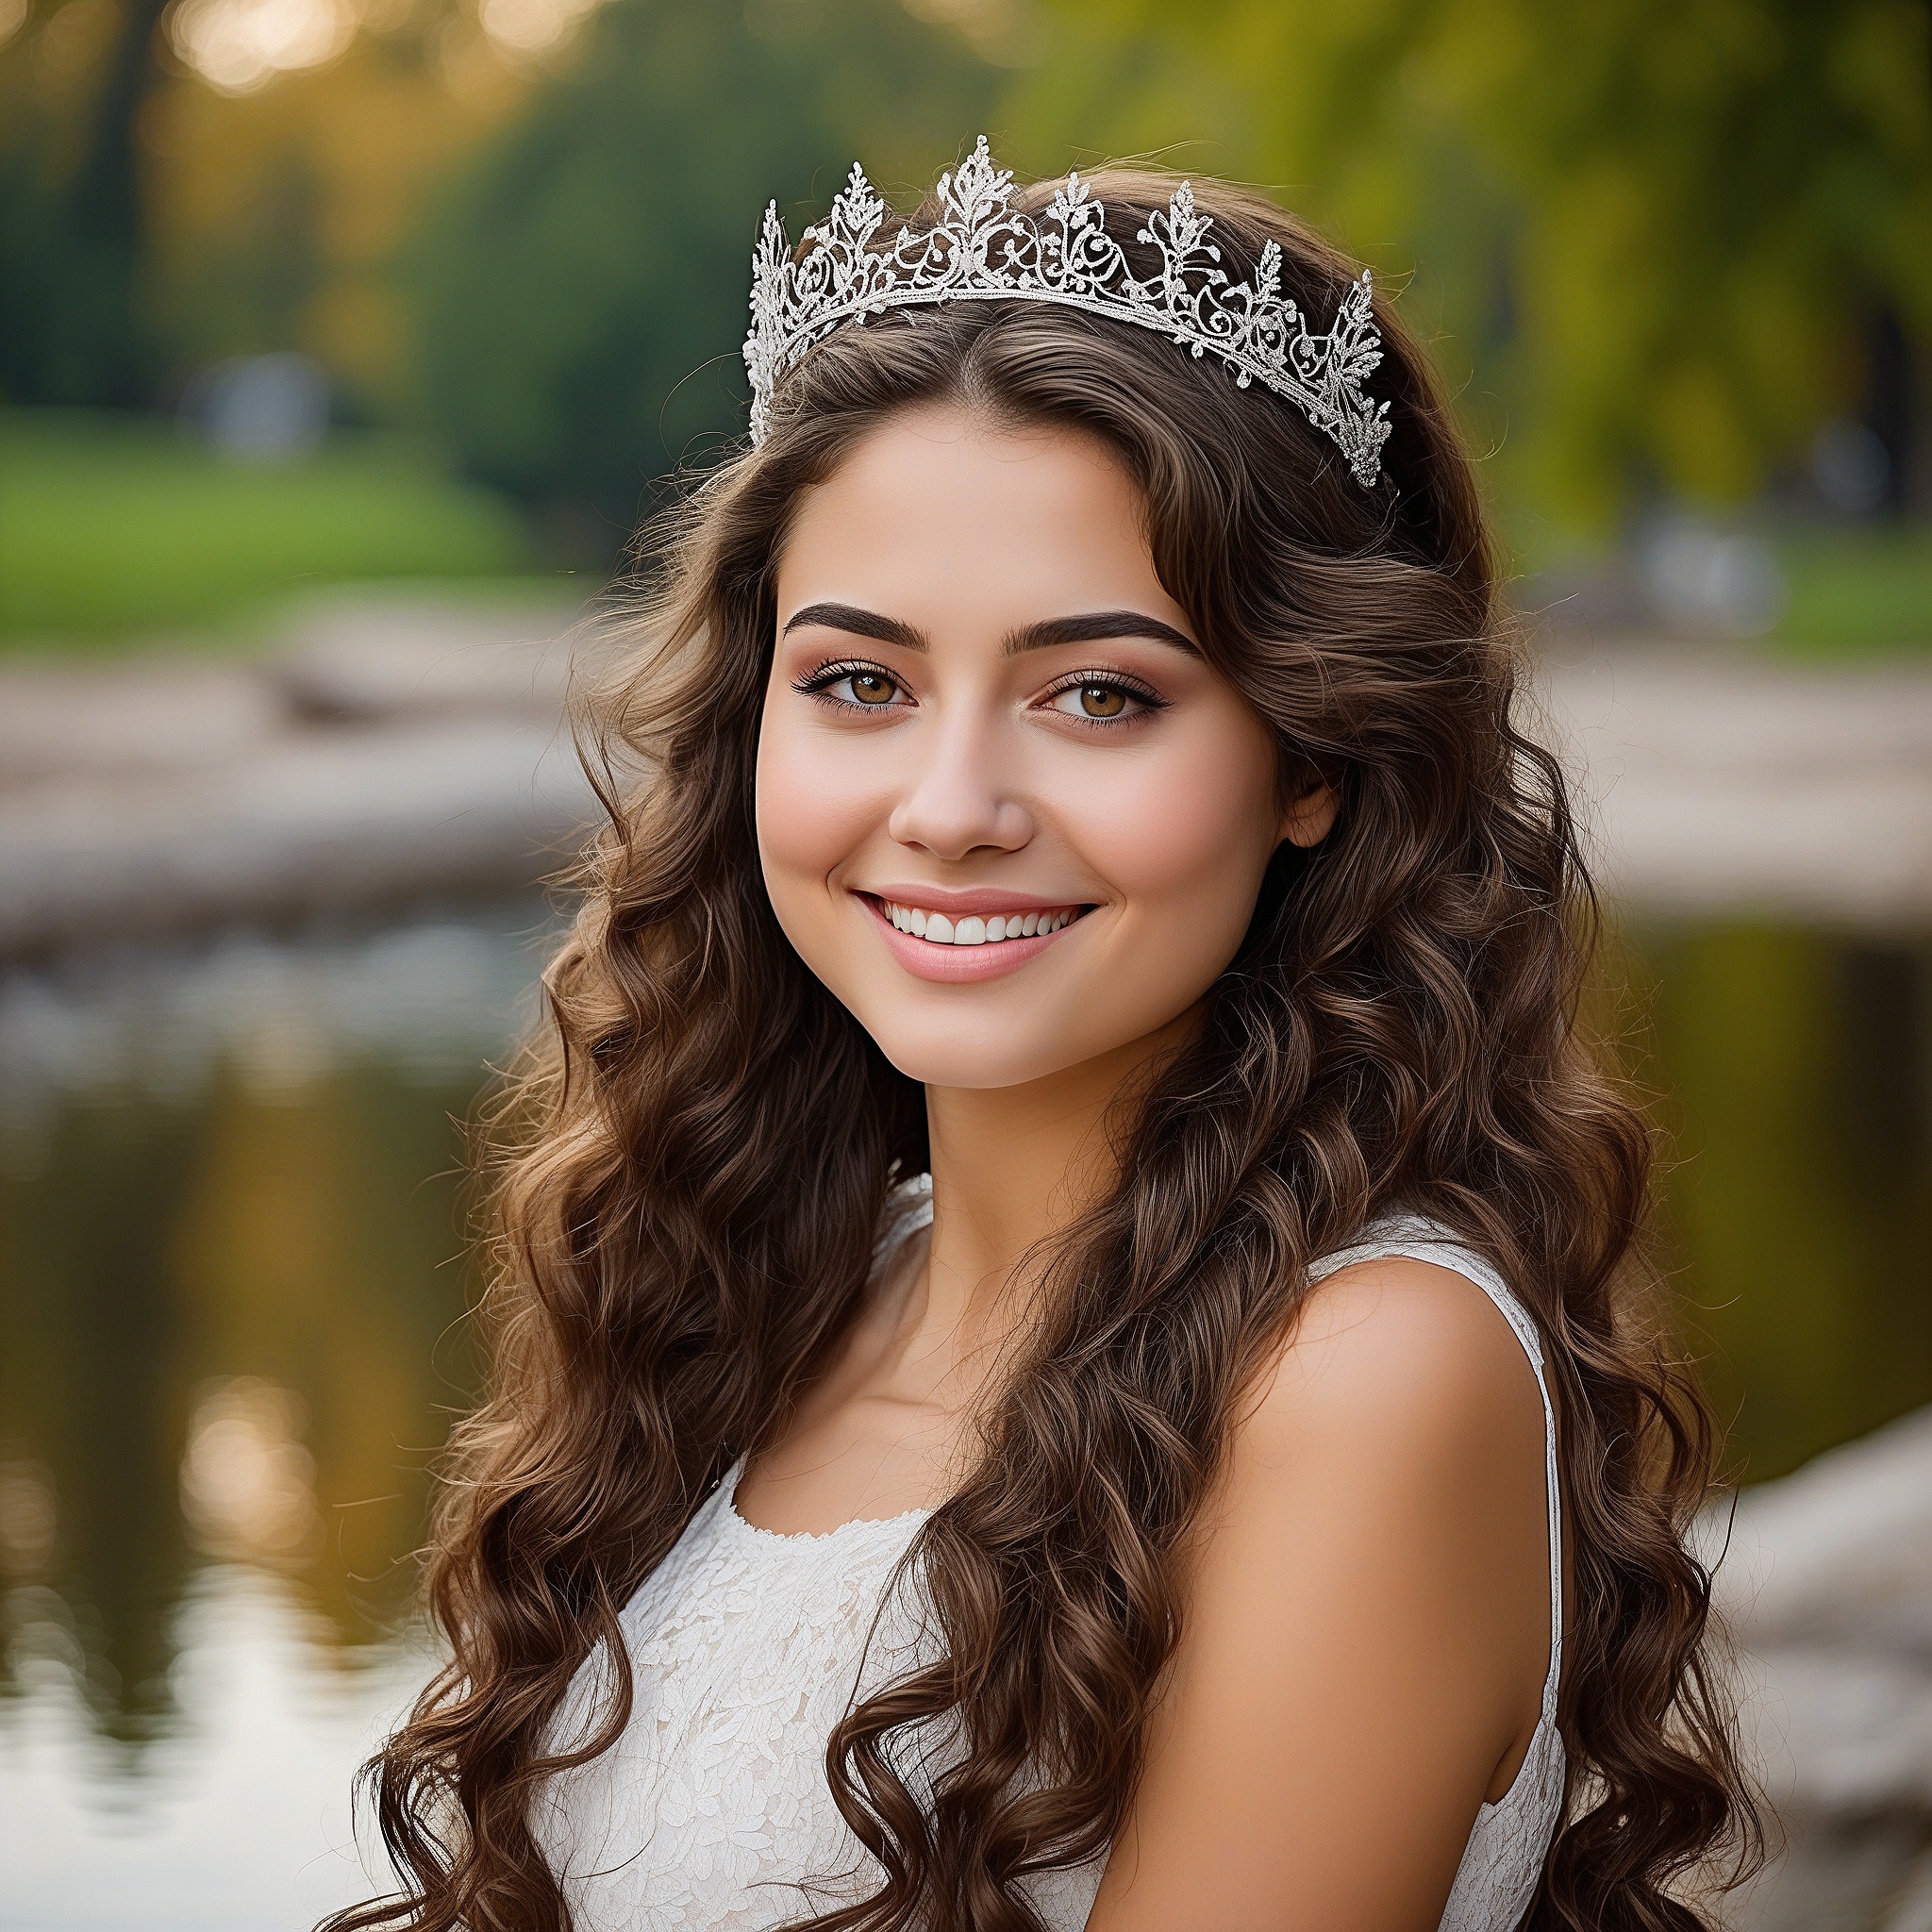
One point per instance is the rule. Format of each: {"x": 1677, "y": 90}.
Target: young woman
{"x": 1066, "y": 1340}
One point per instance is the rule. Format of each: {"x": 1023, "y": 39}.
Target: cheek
{"x": 814, "y": 810}
{"x": 1193, "y": 829}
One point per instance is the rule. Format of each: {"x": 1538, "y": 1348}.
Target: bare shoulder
{"x": 1393, "y": 1358}
{"x": 1367, "y": 1626}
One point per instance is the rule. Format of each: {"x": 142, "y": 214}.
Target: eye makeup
{"x": 1105, "y": 682}
{"x": 821, "y": 684}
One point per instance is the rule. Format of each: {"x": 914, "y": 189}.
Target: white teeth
{"x": 972, "y": 930}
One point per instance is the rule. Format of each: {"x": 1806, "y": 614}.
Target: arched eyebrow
{"x": 856, "y": 623}
{"x": 1094, "y": 628}
{"x": 1091, "y": 627}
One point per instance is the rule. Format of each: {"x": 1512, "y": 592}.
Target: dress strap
{"x": 1417, "y": 1239}
{"x": 908, "y": 1208}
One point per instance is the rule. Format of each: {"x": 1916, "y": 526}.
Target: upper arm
{"x": 1366, "y": 1630}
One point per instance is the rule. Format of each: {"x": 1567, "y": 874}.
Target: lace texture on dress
{"x": 712, "y": 1813}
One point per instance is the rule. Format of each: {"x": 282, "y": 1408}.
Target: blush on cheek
{"x": 1188, "y": 840}
{"x": 812, "y": 817}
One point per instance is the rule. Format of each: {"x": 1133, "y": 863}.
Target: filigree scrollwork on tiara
{"x": 982, "y": 249}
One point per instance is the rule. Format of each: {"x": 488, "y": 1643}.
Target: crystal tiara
{"x": 984, "y": 250}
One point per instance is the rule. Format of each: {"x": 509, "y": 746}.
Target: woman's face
{"x": 1005, "y": 810}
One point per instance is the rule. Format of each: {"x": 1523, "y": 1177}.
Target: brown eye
{"x": 1103, "y": 704}
{"x": 864, "y": 687}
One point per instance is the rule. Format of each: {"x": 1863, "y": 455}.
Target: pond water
{"x": 231, "y": 1295}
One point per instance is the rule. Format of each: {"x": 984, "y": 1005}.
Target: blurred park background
{"x": 342, "y": 343}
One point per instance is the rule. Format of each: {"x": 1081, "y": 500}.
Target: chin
{"x": 969, "y": 1057}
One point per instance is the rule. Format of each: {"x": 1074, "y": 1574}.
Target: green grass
{"x": 1856, "y": 593}
{"x": 117, "y": 526}
{"x": 114, "y": 527}
{"x": 1851, "y": 592}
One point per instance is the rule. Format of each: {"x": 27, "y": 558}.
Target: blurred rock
{"x": 390, "y": 748}
{"x": 1576, "y": 602}
{"x": 1826, "y": 1581}
{"x": 116, "y": 720}
{"x": 1713, "y": 781}
{"x": 1839, "y": 1877}
{"x": 305, "y": 822}
{"x": 407, "y": 658}
{"x": 1841, "y": 1552}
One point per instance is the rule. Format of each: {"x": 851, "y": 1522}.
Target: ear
{"x": 1307, "y": 818}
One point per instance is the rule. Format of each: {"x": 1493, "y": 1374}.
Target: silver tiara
{"x": 984, "y": 250}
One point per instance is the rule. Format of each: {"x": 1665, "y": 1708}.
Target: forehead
{"x": 950, "y": 523}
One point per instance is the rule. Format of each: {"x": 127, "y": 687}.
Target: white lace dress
{"x": 711, "y": 1813}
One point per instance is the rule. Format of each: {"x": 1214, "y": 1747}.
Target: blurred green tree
{"x": 154, "y": 215}
{"x": 1665, "y": 231}
{"x": 277, "y": 214}
{"x": 74, "y": 325}
{"x": 580, "y": 294}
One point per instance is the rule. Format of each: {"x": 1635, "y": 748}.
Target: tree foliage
{"x": 72, "y": 321}
{"x": 1662, "y": 227}
{"x": 1655, "y": 240}
{"x": 581, "y": 294}
{"x": 151, "y": 223}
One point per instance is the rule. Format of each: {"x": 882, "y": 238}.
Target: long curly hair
{"x": 692, "y": 1161}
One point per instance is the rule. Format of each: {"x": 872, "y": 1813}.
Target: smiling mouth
{"x": 976, "y": 929}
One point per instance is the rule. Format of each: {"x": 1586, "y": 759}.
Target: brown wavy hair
{"x": 694, "y": 1159}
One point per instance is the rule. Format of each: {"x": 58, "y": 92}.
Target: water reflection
{"x": 232, "y": 1286}
{"x": 1794, "y": 1074}
{"x": 237, "y": 1817}
{"x": 247, "y": 1483}
{"x": 231, "y": 1276}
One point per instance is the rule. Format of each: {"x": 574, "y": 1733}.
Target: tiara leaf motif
{"x": 982, "y": 249}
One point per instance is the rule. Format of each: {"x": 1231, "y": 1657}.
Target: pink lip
{"x": 961, "y": 965}
{"x": 956, "y": 901}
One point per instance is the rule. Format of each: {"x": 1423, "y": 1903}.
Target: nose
{"x": 957, "y": 802}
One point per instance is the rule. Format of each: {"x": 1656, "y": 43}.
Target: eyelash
{"x": 1143, "y": 695}
{"x": 817, "y": 684}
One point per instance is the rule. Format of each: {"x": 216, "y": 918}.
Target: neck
{"x": 1011, "y": 1166}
